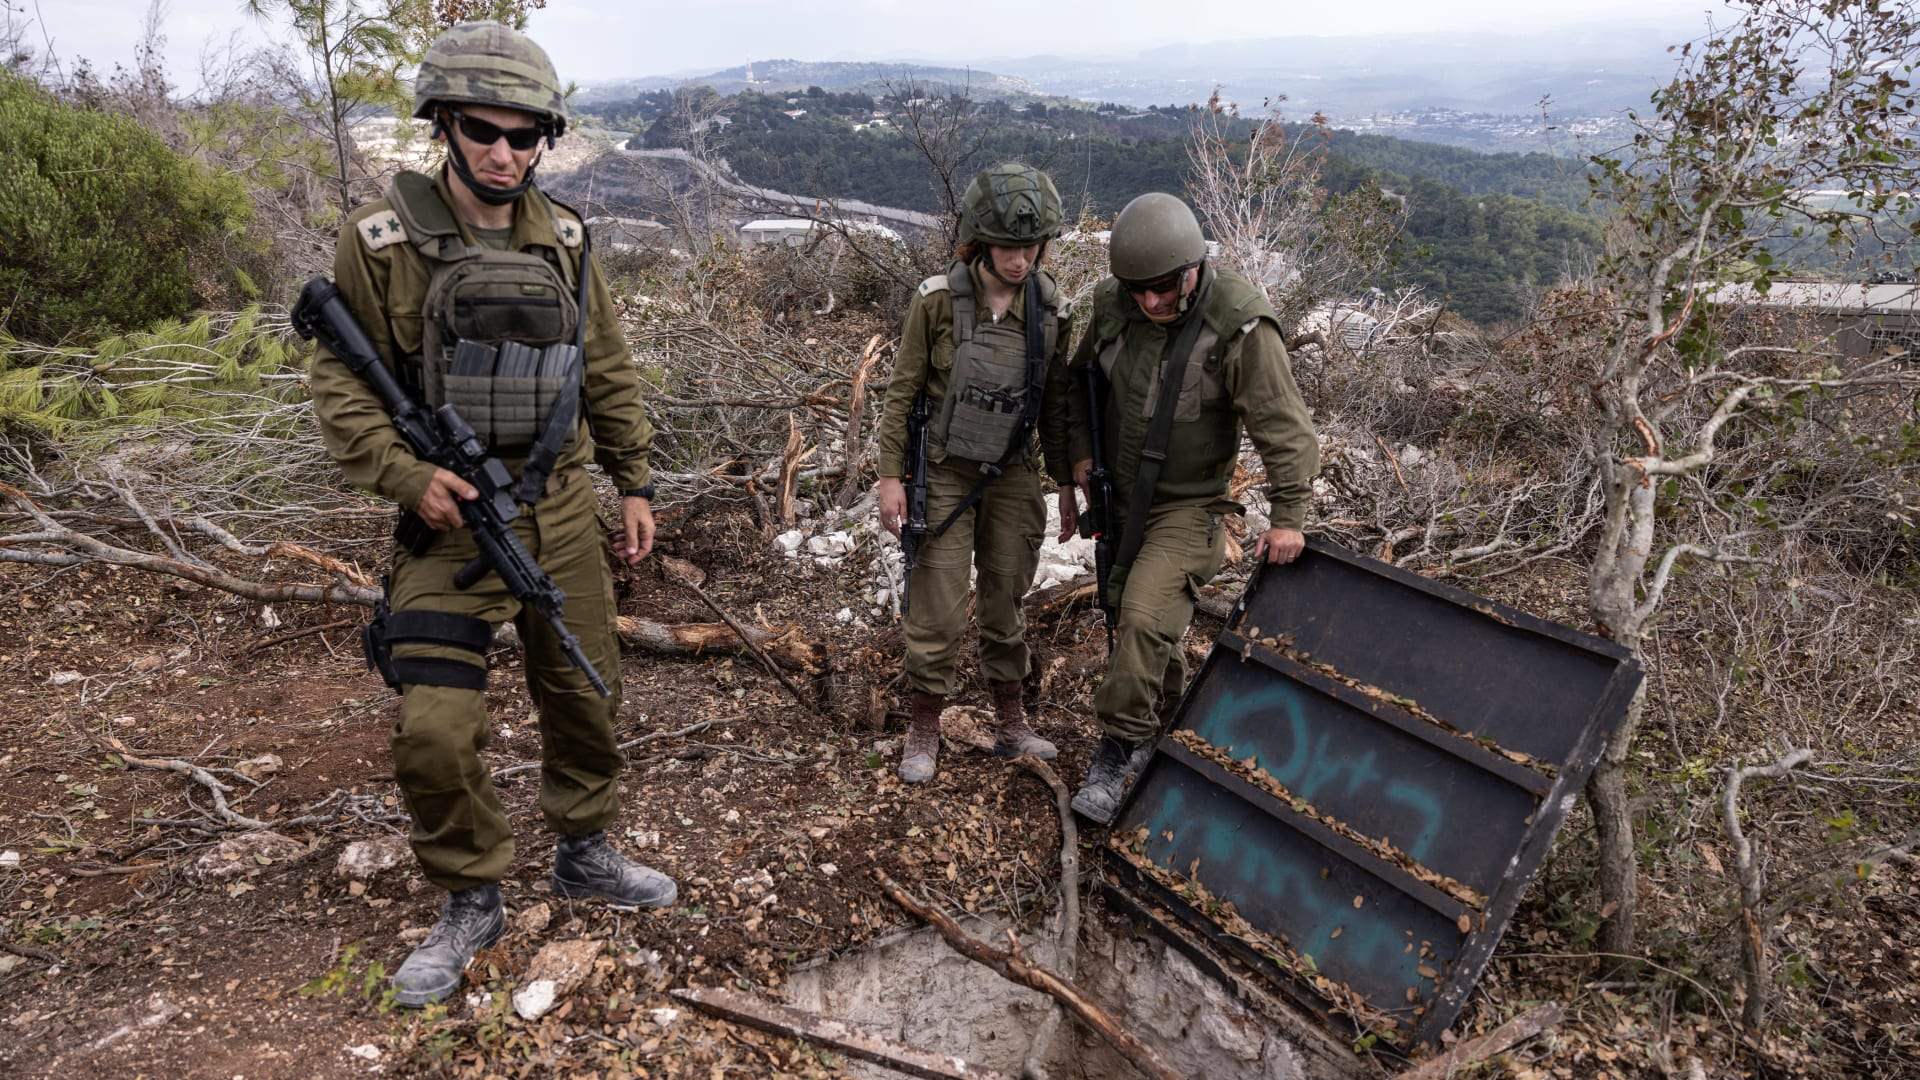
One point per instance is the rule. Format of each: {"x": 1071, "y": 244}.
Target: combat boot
{"x": 470, "y": 920}
{"x": 588, "y": 868}
{"x": 1016, "y": 736}
{"x": 1115, "y": 765}
{"x": 921, "y": 751}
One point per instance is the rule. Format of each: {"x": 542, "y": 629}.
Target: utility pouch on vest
{"x": 988, "y": 396}
{"x": 494, "y": 322}
{"x": 507, "y": 391}
{"x": 989, "y": 390}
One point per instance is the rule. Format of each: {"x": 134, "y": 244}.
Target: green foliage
{"x": 229, "y": 368}
{"x": 103, "y": 226}
{"x": 368, "y": 983}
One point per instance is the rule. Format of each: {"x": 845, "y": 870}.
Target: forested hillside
{"x": 1485, "y": 231}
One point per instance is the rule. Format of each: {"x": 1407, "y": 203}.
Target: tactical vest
{"x": 514, "y": 305}
{"x": 1206, "y": 429}
{"x": 988, "y": 387}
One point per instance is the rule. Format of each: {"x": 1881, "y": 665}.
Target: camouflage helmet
{"x": 488, "y": 63}
{"x": 1154, "y": 235}
{"x": 1010, "y": 204}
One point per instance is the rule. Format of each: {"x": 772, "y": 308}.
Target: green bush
{"x": 102, "y": 227}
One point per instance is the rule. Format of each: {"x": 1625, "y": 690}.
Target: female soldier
{"x": 969, "y": 348}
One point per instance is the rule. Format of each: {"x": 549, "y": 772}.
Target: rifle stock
{"x": 445, "y": 439}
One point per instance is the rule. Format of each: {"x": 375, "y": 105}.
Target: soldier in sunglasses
{"x": 458, "y": 278}
{"x": 1185, "y": 354}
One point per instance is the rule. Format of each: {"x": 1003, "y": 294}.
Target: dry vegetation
{"x": 154, "y": 480}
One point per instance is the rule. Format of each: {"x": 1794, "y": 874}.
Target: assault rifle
{"x": 1097, "y": 523}
{"x": 444, "y": 439}
{"x": 913, "y": 531}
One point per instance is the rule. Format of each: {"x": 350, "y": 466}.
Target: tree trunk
{"x": 1619, "y": 869}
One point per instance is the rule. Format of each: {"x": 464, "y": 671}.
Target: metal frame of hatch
{"x": 1553, "y": 796}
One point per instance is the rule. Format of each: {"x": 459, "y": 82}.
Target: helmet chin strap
{"x": 486, "y": 193}
{"x": 1187, "y": 298}
{"x": 986, "y": 260}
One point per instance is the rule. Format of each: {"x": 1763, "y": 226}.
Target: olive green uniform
{"x": 1237, "y": 376}
{"x": 460, "y": 834}
{"x": 999, "y": 538}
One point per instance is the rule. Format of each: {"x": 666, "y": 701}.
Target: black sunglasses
{"x": 486, "y": 134}
{"x": 1164, "y": 283}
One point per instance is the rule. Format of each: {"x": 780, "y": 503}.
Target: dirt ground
{"x": 770, "y": 816}
{"x": 122, "y": 958}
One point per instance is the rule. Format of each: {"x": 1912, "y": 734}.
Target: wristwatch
{"x": 638, "y": 493}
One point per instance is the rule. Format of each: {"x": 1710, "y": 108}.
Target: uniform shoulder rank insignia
{"x": 381, "y": 230}
{"x": 934, "y": 284}
{"x": 567, "y": 230}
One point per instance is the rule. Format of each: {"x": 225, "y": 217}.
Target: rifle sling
{"x": 1029, "y": 406}
{"x": 1153, "y": 452}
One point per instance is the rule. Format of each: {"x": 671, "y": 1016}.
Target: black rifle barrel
{"x": 913, "y": 531}
{"x": 1098, "y": 524}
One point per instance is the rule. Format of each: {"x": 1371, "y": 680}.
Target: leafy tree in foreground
{"x": 1796, "y": 97}
{"x": 104, "y": 227}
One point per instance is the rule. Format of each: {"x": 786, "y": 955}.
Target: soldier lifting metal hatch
{"x": 1181, "y": 354}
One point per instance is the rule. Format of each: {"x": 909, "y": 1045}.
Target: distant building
{"x": 794, "y": 232}
{"x": 1864, "y": 319}
{"x": 793, "y": 114}
{"x": 629, "y": 234}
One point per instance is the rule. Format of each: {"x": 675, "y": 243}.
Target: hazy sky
{"x": 599, "y": 39}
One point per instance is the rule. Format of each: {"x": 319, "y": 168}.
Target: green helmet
{"x": 488, "y": 63}
{"x": 1010, "y": 204}
{"x": 1154, "y": 235}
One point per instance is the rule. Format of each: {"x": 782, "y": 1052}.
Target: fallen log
{"x": 833, "y": 1034}
{"x": 783, "y": 644}
{"x": 1012, "y": 964}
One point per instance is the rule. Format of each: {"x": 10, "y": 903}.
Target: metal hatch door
{"x": 1361, "y": 781}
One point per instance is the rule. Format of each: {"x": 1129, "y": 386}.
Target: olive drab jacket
{"x": 1238, "y": 375}
{"x": 383, "y": 277}
{"x": 925, "y": 360}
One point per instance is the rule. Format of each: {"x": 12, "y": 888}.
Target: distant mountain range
{"x": 1579, "y": 72}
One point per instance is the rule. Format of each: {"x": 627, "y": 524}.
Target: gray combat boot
{"x": 470, "y": 921}
{"x": 1115, "y": 765}
{"x": 1016, "y": 736}
{"x": 587, "y": 867}
{"x": 921, "y": 750}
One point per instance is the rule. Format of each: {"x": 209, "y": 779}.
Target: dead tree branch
{"x": 1753, "y": 883}
{"x": 218, "y": 790}
{"x": 1067, "y": 955}
{"x": 1012, "y": 965}
{"x": 832, "y": 1034}
{"x": 1498, "y": 1041}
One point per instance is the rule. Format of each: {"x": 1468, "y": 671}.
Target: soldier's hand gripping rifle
{"x": 1097, "y": 523}
{"x": 445, "y": 439}
{"x": 913, "y": 531}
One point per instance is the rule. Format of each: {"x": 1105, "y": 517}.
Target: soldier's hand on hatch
{"x": 1069, "y": 514}
{"x": 439, "y": 505}
{"x": 636, "y": 516}
{"x": 893, "y": 504}
{"x": 1280, "y": 546}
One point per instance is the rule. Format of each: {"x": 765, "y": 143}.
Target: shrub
{"x": 102, "y": 227}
